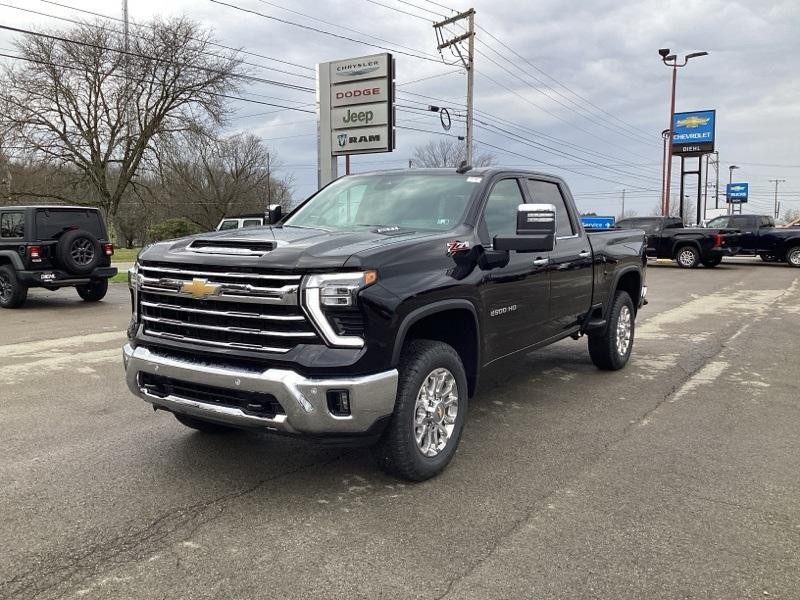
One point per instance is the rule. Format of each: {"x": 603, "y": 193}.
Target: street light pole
{"x": 731, "y": 169}
{"x": 671, "y": 60}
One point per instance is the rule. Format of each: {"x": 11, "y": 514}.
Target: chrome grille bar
{"x": 223, "y": 313}
{"x": 247, "y": 330}
{"x": 239, "y": 275}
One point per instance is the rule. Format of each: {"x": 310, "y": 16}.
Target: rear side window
{"x": 12, "y": 225}
{"x": 740, "y": 222}
{"x": 766, "y": 222}
{"x": 252, "y": 223}
{"x": 546, "y": 192}
{"x": 52, "y": 222}
{"x": 229, "y": 224}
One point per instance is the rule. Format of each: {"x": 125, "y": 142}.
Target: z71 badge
{"x": 456, "y": 246}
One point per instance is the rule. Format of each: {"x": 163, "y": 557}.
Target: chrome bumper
{"x": 303, "y": 400}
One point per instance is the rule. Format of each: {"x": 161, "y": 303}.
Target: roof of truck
{"x": 49, "y": 207}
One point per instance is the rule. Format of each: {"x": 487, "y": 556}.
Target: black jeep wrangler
{"x": 53, "y": 247}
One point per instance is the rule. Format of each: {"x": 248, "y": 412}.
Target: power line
{"x": 322, "y": 31}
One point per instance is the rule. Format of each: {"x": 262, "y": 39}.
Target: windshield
{"x": 436, "y": 202}
{"x": 649, "y": 225}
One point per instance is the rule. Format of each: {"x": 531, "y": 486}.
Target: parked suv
{"x": 53, "y": 247}
{"x": 372, "y": 309}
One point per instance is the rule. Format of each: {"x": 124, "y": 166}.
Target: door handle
{"x": 584, "y": 254}
{"x": 540, "y": 262}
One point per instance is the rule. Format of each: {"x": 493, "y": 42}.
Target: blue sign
{"x": 736, "y": 192}
{"x": 597, "y": 222}
{"x": 693, "y": 132}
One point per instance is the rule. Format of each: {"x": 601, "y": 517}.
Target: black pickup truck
{"x": 760, "y": 237}
{"x": 53, "y": 247}
{"x": 370, "y": 311}
{"x": 688, "y": 246}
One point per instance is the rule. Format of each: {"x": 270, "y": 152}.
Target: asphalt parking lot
{"x": 678, "y": 477}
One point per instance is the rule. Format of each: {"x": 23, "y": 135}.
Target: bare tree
{"x": 448, "y": 152}
{"x": 206, "y": 178}
{"x": 77, "y": 99}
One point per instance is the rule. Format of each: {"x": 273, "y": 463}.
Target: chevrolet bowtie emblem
{"x": 200, "y": 288}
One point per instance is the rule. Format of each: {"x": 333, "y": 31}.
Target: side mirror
{"x": 274, "y": 213}
{"x": 536, "y": 230}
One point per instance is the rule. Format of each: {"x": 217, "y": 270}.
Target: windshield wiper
{"x": 307, "y": 227}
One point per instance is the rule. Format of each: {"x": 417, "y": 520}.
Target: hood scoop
{"x": 235, "y": 247}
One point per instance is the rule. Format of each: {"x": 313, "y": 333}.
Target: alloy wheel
{"x": 794, "y": 257}
{"x": 686, "y": 258}
{"x": 5, "y": 287}
{"x": 624, "y": 330}
{"x": 82, "y": 251}
{"x": 435, "y": 412}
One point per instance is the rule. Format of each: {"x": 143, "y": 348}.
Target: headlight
{"x": 332, "y": 291}
{"x": 134, "y": 281}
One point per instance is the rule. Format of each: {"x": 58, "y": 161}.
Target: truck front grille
{"x": 251, "y": 310}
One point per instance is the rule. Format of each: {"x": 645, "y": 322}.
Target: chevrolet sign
{"x": 200, "y": 288}
{"x": 693, "y": 133}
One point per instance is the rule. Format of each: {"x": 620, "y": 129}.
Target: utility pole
{"x": 622, "y": 215}
{"x": 467, "y": 60}
{"x": 776, "y": 182}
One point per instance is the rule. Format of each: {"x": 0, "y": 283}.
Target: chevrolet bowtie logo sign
{"x": 200, "y": 288}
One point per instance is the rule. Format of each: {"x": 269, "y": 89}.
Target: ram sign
{"x": 693, "y": 133}
{"x": 736, "y": 193}
{"x": 355, "y": 112}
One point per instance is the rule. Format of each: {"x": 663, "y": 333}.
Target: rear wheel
{"x": 429, "y": 414}
{"x": 12, "y": 292}
{"x": 93, "y": 291}
{"x": 712, "y": 262}
{"x": 204, "y": 426}
{"x": 793, "y": 256}
{"x": 687, "y": 257}
{"x": 611, "y": 348}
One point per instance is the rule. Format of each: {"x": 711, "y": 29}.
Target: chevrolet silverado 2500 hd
{"x": 370, "y": 311}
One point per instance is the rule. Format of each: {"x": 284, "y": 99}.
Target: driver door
{"x": 516, "y": 296}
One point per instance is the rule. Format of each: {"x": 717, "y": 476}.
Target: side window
{"x": 719, "y": 223}
{"x": 766, "y": 222}
{"x": 12, "y": 225}
{"x": 229, "y": 224}
{"x": 545, "y": 192}
{"x": 252, "y": 223}
{"x": 740, "y": 222}
{"x": 500, "y": 212}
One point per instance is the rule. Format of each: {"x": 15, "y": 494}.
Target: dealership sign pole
{"x": 355, "y": 110}
{"x": 693, "y": 135}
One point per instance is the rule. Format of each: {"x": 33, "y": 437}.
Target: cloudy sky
{"x": 574, "y": 87}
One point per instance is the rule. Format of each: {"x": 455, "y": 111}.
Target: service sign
{"x": 693, "y": 132}
{"x": 598, "y": 222}
{"x": 360, "y": 92}
{"x": 736, "y": 193}
{"x": 356, "y": 69}
{"x": 360, "y": 115}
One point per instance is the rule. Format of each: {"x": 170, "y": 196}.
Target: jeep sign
{"x": 355, "y": 109}
{"x": 359, "y": 116}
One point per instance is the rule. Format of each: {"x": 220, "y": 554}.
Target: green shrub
{"x": 171, "y": 229}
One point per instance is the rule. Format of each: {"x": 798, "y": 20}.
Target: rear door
{"x": 571, "y": 273}
{"x": 515, "y": 297}
{"x": 749, "y": 231}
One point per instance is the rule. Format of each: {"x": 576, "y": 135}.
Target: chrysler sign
{"x": 355, "y": 109}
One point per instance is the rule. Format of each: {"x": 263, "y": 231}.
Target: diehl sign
{"x": 693, "y": 133}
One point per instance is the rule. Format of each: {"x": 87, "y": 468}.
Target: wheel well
{"x": 631, "y": 282}
{"x": 457, "y": 328}
{"x": 679, "y": 245}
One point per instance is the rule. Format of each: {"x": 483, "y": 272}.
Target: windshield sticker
{"x": 474, "y": 179}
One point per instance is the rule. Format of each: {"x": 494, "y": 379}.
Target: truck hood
{"x": 290, "y": 248}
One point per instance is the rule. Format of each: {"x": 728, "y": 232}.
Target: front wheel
{"x": 12, "y": 292}
{"x": 94, "y": 291}
{"x": 429, "y": 413}
{"x": 611, "y": 348}
{"x": 687, "y": 257}
{"x": 793, "y": 256}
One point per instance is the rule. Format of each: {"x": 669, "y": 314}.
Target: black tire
{"x": 712, "y": 262}
{"x": 687, "y": 257}
{"x": 94, "y": 291}
{"x": 604, "y": 347}
{"x": 203, "y": 426}
{"x": 398, "y": 451}
{"x": 793, "y": 256}
{"x": 12, "y": 292}
{"x": 79, "y": 252}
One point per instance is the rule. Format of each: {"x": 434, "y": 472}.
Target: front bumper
{"x": 304, "y": 400}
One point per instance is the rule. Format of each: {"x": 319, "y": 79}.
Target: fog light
{"x": 339, "y": 402}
